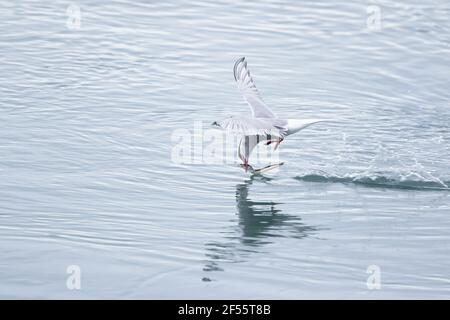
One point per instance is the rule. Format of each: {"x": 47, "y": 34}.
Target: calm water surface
{"x": 86, "y": 175}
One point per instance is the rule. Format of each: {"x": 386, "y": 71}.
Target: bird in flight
{"x": 263, "y": 125}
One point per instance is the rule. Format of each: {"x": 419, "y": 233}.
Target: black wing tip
{"x": 238, "y": 61}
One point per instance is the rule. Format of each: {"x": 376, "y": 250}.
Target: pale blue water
{"x": 86, "y": 176}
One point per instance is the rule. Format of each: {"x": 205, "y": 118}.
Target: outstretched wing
{"x": 248, "y": 143}
{"x": 248, "y": 89}
{"x": 254, "y": 126}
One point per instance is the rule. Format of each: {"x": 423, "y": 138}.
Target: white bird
{"x": 263, "y": 125}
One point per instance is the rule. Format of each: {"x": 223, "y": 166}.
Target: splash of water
{"x": 373, "y": 180}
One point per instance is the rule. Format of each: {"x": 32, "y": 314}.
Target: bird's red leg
{"x": 246, "y": 164}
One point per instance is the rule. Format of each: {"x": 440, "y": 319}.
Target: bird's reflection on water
{"x": 259, "y": 223}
